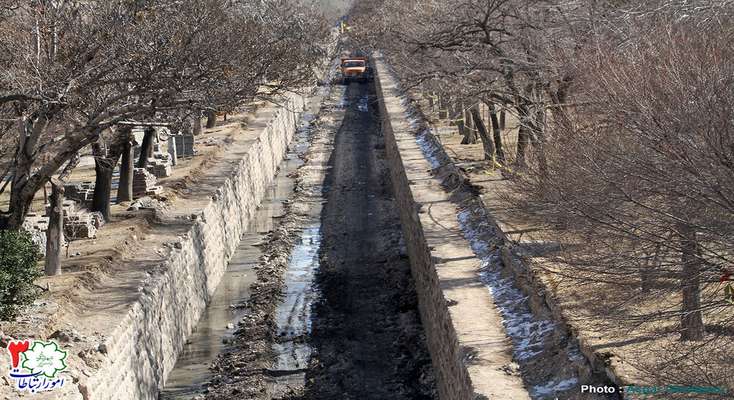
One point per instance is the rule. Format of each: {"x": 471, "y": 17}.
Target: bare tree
{"x": 642, "y": 169}
{"x": 80, "y": 68}
{"x": 625, "y": 142}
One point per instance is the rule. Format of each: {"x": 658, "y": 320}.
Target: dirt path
{"x": 367, "y": 337}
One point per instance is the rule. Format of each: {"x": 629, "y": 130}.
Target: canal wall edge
{"x": 143, "y": 349}
{"x": 464, "y": 332}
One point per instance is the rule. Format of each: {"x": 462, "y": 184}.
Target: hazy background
{"x": 333, "y": 8}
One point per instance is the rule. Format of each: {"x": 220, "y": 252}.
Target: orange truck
{"x": 355, "y": 69}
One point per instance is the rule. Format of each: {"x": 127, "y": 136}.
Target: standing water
{"x": 293, "y": 315}
{"x": 217, "y": 325}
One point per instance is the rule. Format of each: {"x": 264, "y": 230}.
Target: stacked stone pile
{"x": 81, "y": 225}
{"x": 69, "y": 207}
{"x": 160, "y": 165}
{"x": 144, "y": 183}
{"x": 37, "y": 225}
{"x": 80, "y": 192}
{"x": 97, "y": 219}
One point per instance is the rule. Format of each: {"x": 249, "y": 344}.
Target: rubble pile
{"x": 37, "y": 225}
{"x": 159, "y": 165}
{"x": 144, "y": 183}
{"x": 80, "y": 192}
{"x": 81, "y": 225}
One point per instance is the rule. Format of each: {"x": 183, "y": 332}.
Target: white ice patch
{"x": 574, "y": 353}
{"x": 413, "y": 117}
{"x": 554, "y": 387}
{"x": 428, "y": 150}
{"x": 527, "y": 333}
{"x": 364, "y": 104}
{"x": 422, "y": 137}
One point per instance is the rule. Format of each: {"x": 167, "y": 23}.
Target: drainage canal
{"x": 333, "y": 312}
{"x": 215, "y": 330}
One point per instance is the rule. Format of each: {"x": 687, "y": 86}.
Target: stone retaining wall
{"x": 142, "y": 349}
{"x": 468, "y": 345}
{"x": 465, "y": 337}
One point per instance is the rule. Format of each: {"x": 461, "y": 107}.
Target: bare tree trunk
{"x": 497, "y": 133}
{"x": 691, "y": 320}
{"x": 523, "y": 140}
{"x": 470, "y": 136}
{"x": 538, "y": 137}
{"x": 197, "y": 124}
{"x": 457, "y": 117}
{"x": 443, "y": 107}
{"x": 55, "y": 232}
{"x": 146, "y": 148}
{"x": 211, "y": 119}
{"x": 27, "y": 181}
{"x": 487, "y": 142}
{"x": 453, "y": 112}
{"x": 502, "y": 119}
{"x": 20, "y": 196}
{"x": 104, "y": 166}
{"x": 102, "y": 188}
{"x": 20, "y": 204}
{"x": 125, "y": 188}
{"x": 645, "y": 274}
{"x": 524, "y": 134}
{"x": 461, "y": 127}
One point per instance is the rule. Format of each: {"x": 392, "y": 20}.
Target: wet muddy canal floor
{"x": 352, "y": 331}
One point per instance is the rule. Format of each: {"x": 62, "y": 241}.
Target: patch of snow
{"x": 428, "y": 151}
{"x": 574, "y": 352}
{"x": 363, "y": 104}
{"x": 553, "y": 387}
{"x": 528, "y": 334}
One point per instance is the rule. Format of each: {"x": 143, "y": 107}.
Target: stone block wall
{"x": 453, "y": 379}
{"x": 464, "y": 332}
{"x": 143, "y": 348}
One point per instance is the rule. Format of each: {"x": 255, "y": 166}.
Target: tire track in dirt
{"x": 367, "y": 336}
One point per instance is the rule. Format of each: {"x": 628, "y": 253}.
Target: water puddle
{"x": 364, "y": 104}
{"x": 293, "y": 315}
{"x": 217, "y": 325}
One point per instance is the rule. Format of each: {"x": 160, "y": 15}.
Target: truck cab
{"x": 355, "y": 69}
